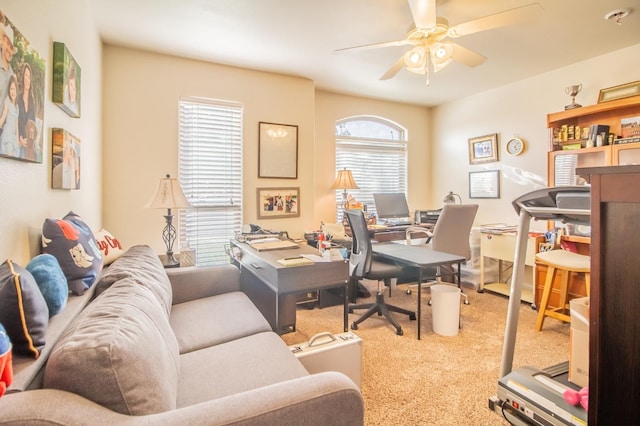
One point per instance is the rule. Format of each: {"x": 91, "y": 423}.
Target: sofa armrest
{"x": 316, "y": 400}
{"x": 196, "y": 283}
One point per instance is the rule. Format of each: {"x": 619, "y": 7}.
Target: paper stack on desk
{"x": 295, "y": 261}
{"x": 272, "y": 244}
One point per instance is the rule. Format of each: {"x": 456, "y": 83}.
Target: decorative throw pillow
{"x": 109, "y": 246}
{"x": 71, "y": 241}
{"x": 51, "y": 281}
{"x": 23, "y": 310}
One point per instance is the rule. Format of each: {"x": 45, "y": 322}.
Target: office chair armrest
{"x": 417, "y": 230}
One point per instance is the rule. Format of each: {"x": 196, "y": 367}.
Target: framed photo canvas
{"x": 22, "y": 77}
{"x": 483, "y": 149}
{"x": 278, "y": 202}
{"x": 65, "y": 160}
{"x": 66, "y": 80}
{"x": 278, "y": 151}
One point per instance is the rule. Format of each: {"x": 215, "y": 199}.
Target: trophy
{"x": 573, "y": 91}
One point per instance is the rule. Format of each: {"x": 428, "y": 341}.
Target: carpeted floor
{"x": 438, "y": 380}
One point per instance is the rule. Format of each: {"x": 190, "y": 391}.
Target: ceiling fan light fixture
{"x": 441, "y": 55}
{"x": 416, "y": 60}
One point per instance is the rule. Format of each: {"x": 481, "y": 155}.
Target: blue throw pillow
{"x": 72, "y": 242}
{"x": 51, "y": 281}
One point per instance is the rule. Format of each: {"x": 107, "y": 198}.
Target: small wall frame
{"x": 278, "y": 202}
{"x": 483, "y": 149}
{"x": 278, "y": 151}
{"x": 66, "y": 80}
{"x": 484, "y": 184}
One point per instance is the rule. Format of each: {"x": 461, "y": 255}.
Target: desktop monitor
{"x": 391, "y": 205}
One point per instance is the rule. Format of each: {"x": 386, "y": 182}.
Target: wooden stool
{"x": 565, "y": 261}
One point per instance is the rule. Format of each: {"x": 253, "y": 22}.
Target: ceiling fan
{"x": 430, "y": 34}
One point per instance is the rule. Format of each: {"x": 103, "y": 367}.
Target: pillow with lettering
{"x": 109, "y": 246}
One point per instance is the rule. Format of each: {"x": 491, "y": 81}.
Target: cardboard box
{"x": 579, "y": 342}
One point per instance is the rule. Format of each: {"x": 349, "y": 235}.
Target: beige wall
{"x": 331, "y": 107}
{"x": 518, "y": 109}
{"x": 26, "y": 197}
{"x": 141, "y": 93}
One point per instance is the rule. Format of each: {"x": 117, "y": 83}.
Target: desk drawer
{"x": 503, "y": 246}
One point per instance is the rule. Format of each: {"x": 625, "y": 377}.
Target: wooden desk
{"x": 502, "y": 247}
{"x": 419, "y": 257}
{"x": 273, "y": 287}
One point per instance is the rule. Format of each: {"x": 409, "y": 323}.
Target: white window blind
{"x": 210, "y": 169}
{"x": 375, "y": 150}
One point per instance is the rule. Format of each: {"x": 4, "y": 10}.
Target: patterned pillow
{"x": 23, "y": 310}
{"x": 51, "y": 281}
{"x": 71, "y": 241}
{"x": 109, "y": 246}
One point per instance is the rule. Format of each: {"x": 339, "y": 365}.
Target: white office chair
{"x": 450, "y": 235}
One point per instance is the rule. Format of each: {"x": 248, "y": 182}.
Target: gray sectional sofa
{"x": 144, "y": 346}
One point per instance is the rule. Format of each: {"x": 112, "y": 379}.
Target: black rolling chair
{"x": 361, "y": 265}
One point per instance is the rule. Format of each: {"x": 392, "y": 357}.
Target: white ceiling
{"x": 298, "y": 37}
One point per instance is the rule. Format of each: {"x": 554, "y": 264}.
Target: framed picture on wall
{"x": 278, "y": 151}
{"x": 66, "y": 80}
{"x": 278, "y": 202}
{"x": 22, "y": 94}
{"x": 485, "y": 184}
{"x": 65, "y": 160}
{"x": 483, "y": 149}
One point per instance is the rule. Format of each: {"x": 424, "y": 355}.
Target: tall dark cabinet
{"x": 614, "y": 335}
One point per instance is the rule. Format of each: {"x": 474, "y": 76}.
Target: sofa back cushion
{"x": 143, "y": 266}
{"x": 120, "y": 353}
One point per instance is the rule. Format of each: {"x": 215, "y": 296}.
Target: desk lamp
{"x": 344, "y": 181}
{"x": 450, "y": 198}
{"x": 169, "y": 195}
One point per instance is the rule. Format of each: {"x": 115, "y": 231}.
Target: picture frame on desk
{"x": 278, "y": 202}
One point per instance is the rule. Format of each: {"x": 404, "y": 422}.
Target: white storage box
{"x": 332, "y": 352}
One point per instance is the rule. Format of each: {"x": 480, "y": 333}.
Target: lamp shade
{"x": 168, "y": 195}
{"x": 344, "y": 180}
{"x": 450, "y": 198}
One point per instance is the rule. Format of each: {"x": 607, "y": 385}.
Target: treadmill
{"x": 529, "y": 395}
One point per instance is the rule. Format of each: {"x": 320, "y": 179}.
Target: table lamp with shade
{"x": 169, "y": 195}
{"x": 344, "y": 181}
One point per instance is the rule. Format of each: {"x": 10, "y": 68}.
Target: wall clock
{"x": 515, "y": 146}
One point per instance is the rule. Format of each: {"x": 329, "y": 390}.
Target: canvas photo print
{"x": 22, "y": 72}
{"x": 65, "y": 160}
{"x": 66, "y": 80}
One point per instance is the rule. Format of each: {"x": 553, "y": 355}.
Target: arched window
{"x": 375, "y": 150}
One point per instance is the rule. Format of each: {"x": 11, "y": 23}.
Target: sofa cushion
{"x": 23, "y": 310}
{"x": 120, "y": 353}
{"x": 71, "y": 241}
{"x": 51, "y": 281}
{"x": 213, "y": 320}
{"x": 143, "y": 266}
{"x": 109, "y": 246}
{"x": 237, "y": 366}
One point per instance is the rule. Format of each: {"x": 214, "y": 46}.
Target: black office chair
{"x": 362, "y": 265}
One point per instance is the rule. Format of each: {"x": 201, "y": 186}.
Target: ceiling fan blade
{"x": 467, "y": 56}
{"x": 508, "y": 17}
{"x": 424, "y": 13}
{"x": 376, "y": 45}
{"x": 391, "y": 72}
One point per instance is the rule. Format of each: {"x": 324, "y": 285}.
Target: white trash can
{"x": 445, "y": 309}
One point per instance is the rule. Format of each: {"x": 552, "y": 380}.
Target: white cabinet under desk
{"x": 501, "y": 247}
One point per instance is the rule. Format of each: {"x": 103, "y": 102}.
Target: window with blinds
{"x": 210, "y": 169}
{"x": 375, "y": 150}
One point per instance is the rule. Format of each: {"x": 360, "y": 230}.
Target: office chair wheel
{"x": 466, "y": 302}
{"x": 429, "y": 303}
{"x": 350, "y": 309}
{"x": 408, "y": 291}
{"x": 354, "y": 326}
{"x": 412, "y": 317}
{"x": 399, "y": 332}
